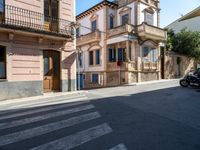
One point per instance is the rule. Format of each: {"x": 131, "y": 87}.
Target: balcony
{"x": 150, "y": 32}
{"x": 26, "y": 20}
{"x": 112, "y": 66}
{"x": 120, "y": 30}
{"x": 89, "y": 38}
{"x": 130, "y": 66}
{"x": 150, "y": 66}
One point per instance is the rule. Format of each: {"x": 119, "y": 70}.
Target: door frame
{"x": 60, "y": 69}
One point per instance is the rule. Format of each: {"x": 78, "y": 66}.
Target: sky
{"x": 171, "y": 10}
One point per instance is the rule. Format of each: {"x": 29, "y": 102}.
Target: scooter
{"x": 190, "y": 79}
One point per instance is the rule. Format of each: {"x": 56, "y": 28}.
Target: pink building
{"x": 37, "y": 49}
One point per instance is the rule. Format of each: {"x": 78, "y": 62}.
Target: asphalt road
{"x": 157, "y": 116}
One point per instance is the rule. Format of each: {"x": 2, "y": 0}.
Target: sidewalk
{"x": 151, "y": 82}
{"x": 45, "y": 96}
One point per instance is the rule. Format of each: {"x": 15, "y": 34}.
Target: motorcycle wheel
{"x": 184, "y": 83}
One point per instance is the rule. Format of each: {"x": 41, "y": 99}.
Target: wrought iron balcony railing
{"x": 23, "y": 19}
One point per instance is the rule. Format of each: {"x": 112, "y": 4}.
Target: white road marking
{"x": 29, "y": 133}
{"x": 119, "y": 147}
{"x": 44, "y": 103}
{"x": 38, "y": 110}
{"x": 76, "y": 139}
{"x": 45, "y": 116}
{"x": 28, "y": 100}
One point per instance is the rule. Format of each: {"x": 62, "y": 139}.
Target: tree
{"x": 185, "y": 42}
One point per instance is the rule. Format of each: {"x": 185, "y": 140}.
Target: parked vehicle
{"x": 191, "y": 79}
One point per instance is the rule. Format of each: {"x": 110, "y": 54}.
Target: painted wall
{"x": 86, "y": 22}
{"x": 24, "y": 59}
{"x": 142, "y": 17}
{"x": 132, "y": 6}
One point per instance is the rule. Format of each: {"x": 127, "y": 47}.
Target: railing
{"x": 150, "y": 65}
{"x": 144, "y": 30}
{"x": 112, "y": 66}
{"x": 88, "y": 38}
{"x": 132, "y": 66}
{"x": 24, "y": 19}
{"x": 120, "y": 29}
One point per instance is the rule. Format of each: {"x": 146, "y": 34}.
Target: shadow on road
{"x": 166, "y": 119}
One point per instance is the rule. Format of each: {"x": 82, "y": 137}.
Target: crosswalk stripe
{"x": 29, "y": 133}
{"x": 45, "y": 116}
{"x": 76, "y": 139}
{"x": 39, "y": 110}
{"x": 119, "y": 147}
{"x": 41, "y": 103}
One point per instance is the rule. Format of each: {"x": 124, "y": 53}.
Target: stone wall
{"x": 113, "y": 78}
{"x": 88, "y": 80}
{"x": 177, "y": 65}
{"x": 149, "y": 76}
{"x": 132, "y": 77}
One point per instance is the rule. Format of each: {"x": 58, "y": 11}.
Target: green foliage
{"x": 185, "y": 42}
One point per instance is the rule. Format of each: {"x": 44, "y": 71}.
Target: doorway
{"x": 162, "y": 56}
{"x": 51, "y": 80}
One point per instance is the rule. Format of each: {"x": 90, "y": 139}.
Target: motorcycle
{"x": 191, "y": 79}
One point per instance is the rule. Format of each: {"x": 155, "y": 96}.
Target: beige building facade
{"x": 119, "y": 43}
{"x": 177, "y": 65}
{"x": 36, "y": 47}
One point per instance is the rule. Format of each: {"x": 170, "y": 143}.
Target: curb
{"x": 151, "y": 82}
{"x": 44, "y": 96}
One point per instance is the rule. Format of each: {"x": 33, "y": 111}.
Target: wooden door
{"x": 51, "y": 70}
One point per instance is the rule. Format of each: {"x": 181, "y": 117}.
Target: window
{"x": 125, "y": 19}
{"x": 130, "y": 54}
{"x": 149, "y": 18}
{"x": 94, "y": 25}
{"x": 146, "y": 52}
{"x": 154, "y": 55}
{"x": 1, "y": 10}
{"x": 121, "y": 54}
{"x": 77, "y": 32}
{"x": 112, "y": 55}
{"x": 111, "y": 22}
{"x": 80, "y": 59}
{"x": 150, "y": 54}
{"x": 50, "y": 9}
{"x": 97, "y": 53}
{"x": 2, "y": 62}
{"x": 1, "y": 6}
{"x": 95, "y": 78}
{"x": 91, "y": 58}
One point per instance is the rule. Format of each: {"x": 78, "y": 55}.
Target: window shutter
{"x": 110, "y": 55}
{"x": 114, "y": 55}
{"x": 120, "y": 54}
{"x": 98, "y": 57}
